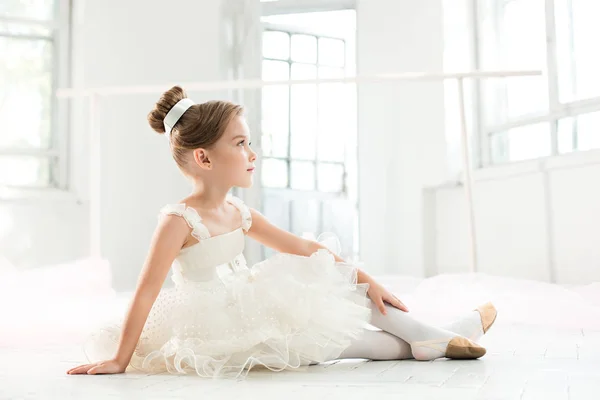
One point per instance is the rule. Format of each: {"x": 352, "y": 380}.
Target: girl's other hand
{"x": 102, "y": 367}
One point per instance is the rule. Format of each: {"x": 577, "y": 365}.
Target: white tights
{"x": 378, "y": 346}
{"x": 399, "y": 329}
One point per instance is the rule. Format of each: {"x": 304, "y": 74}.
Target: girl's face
{"x": 231, "y": 158}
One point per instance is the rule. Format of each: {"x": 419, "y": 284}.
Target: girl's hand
{"x": 102, "y": 367}
{"x": 379, "y": 294}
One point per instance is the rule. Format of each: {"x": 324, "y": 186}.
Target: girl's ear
{"x": 202, "y": 159}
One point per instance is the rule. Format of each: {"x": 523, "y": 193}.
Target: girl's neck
{"x": 209, "y": 196}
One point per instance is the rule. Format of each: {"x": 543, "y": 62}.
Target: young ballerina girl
{"x": 302, "y": 306}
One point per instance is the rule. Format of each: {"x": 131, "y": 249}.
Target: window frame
{"x": 58, "y": 150}
{"x": 556, "y": 111}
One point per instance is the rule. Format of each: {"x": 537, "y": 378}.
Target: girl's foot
{"x": 457, "y": 347}
{"x": 488, "y": 314}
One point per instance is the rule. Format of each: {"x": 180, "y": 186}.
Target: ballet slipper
{"x": 488, "y": 315}
{"x": 458, "y": 347}
{"x": 463, "y": 349}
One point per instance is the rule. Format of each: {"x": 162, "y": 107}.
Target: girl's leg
{"x": 381, "y": 345}
{"x": 427, "y": 342}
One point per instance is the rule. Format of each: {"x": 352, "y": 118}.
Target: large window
{"x": 309, "y": 130}
{"x": 33, "y": 46}
{"x": 303, "y": 134}
{"x": 526, "y": 118}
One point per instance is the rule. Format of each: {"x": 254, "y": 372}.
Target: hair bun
{"x": 156, "y": 117}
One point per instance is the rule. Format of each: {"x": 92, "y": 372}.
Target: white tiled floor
{"x": 523, "y": 362}
{"x": 544, "y": 345}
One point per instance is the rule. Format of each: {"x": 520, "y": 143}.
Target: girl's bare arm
{"x": 168, "y": 239}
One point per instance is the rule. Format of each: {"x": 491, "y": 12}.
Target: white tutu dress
{"x": 222, "y": 318}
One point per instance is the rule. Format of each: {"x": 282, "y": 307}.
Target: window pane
{"x": 303, "y": 175}
{"x": 332, "y": 52}
{"x": 588, "y": 131}
{"x": 515, "y": 39}
{"x": 331, "y": 73}
{"x": 304, "y": 71}
{"x": 530, "y": 141}
{"x": 275, "y": 70}
{"x": 274, "y": 173}
{"x": 566, "y": 129}
{"x": 334, "y": 115}
{"x": 330, "y": 23}
{"x": 33, "y": 9}
{"x": 275, "y": 109}
{"x": 25, "y": 92}
{"x": 330, "y": 177}
{"x": 304, "y": 48}
{"x": 24, "y": 171}
{"x": 304, "y": 121}
{"x": 276, "y": 45}
{"x": 332, "y": 146}
{"x": 275, "y": 121}
{"x": 306, "y": 216}
{"x": 525, "y": 47}
{"x": 523, "y": 143}
{"x": 564, "y": 50}
{"x": 499, "y": 148}
{"x": 12, "y": 28}
{"x": 582, "y": 48}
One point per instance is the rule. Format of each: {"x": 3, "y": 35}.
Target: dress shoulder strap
{"x": 190, "y": 215}
{"x": 244, "y": 210}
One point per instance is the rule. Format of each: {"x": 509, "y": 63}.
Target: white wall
{"x": 42, "y": 231}
{"x": 401, "y": 129}
{"x": 524, "y": 228}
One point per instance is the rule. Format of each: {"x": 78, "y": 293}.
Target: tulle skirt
{"x": 284, "y": 313}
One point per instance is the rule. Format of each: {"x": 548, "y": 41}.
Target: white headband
{"x": 175, "y": 113}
